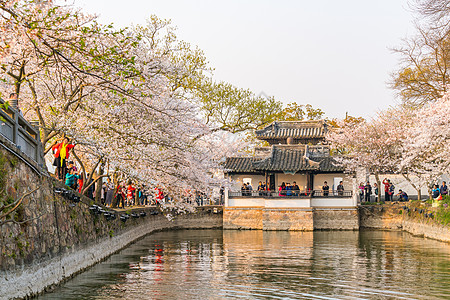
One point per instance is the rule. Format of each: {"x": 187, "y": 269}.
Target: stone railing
{"x": 21, "y": 133}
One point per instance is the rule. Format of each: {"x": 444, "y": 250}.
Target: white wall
{"x": 237, "y": 181}
{"x": 320, "y": 178}
{"x": 291, "y": 202}
{"x": 283, "y": 203}
{"x": 245, "y": 202}
{"x": 299, "y": 178}
{"x": 333, "y": 202}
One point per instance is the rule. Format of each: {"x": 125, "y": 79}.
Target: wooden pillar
{"x": 309, "y": 181}
{"x": 266, "y": 180}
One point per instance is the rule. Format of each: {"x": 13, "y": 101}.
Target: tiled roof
{"x": 294, "y": 129}
{"x": 329, "y": 164}
{"x": 285, "y": 160}
{"x": 282, "y": 160}
{"x": 239, "y": 164}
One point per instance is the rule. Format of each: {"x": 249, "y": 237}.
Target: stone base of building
{"x": 295, "y": 219}
{"x": 336, "y": 218}
{"x": 243, "y": 218}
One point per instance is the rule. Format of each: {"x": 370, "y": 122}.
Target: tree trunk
{"x": 99, "y": 185}
{"x": 377, "y": 178}
{"x": 115, "y": 183}
{"x": 419, "y": 192}
{"x": 136, "y": 196}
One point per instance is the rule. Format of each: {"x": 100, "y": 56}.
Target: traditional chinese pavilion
{"x": 297, "y": 152}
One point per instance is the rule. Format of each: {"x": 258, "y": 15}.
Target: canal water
{"x": 216, "y": 264}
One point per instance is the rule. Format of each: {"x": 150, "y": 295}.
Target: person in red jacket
{"x": 61, "y": 153}
{"x": 130, "y": 194}
{"x": 387, "y": 184}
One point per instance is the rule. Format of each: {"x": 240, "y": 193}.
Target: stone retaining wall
{"x": 35, "y": 277}
{"x": 242, "y": 218}
{"x": 393, "y": 217}
{"x": 380, "y": 217}
{"x": 300, "y": 219}
{"x": 297, "y": 219}
{"x": 53, "y": 238}
{"x": 336, "y": 219}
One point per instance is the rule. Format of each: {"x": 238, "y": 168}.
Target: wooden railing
{"x": 21, "y": 133}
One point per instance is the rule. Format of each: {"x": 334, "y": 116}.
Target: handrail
{"x": 16, "y": 129}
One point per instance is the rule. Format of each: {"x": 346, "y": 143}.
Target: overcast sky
{"x": 332, "y": 54}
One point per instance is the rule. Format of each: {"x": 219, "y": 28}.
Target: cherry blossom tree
{"x": 129, "y": 97}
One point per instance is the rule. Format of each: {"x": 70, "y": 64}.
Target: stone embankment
{"x": 411, "y": 217}
{"x": 50, "y": 237}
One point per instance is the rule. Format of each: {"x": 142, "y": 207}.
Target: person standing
{"x": 261, "y": 188}
{"x": 386, "y": 183}
{"x": 376, "y": 191}
{"x": 130, "y": 194}
{"x": 80, "y": 183}
{"x": 61, "y": 153}
{"x": 391, "y": 191}
{"x": 249, "y": 189}
{"x": 444, "y": 189}
{"x": 222, "y": 193}
{"x": 325, "y": 189}
{"x": 295, "y": 188}
{"x": 159, "y": 195}
{"x": 367, "y": 191}
{"x": 109, "y": 192}
{"x": 361, "y": 192}
{"x": 282, "y": 190}
{"x": 244, "y": 189}
{"x": 340, "y": 189}
{"x": 288, "y": 189}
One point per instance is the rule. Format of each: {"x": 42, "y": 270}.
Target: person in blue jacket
{"x": 402, "y": 196}
{"x": 71, "y": 179}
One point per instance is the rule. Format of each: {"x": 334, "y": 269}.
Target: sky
{"x": 335, "y": 55}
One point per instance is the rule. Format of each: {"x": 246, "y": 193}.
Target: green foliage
{"x": 442, "y": 215}
{"x": 111, "y": 233}
{"x": 234, "y": 109}
{"x": 296, "y": 112}
{"x": 77, "y": 228}
{"x": 73, "y": 215}
{"x": 13, "y": 161}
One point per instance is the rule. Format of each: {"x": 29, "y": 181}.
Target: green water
{"x": 216, "y": 264}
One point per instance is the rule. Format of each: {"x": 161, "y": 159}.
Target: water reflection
{"x": 211, "y": 264}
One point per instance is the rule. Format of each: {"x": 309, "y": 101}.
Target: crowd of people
{"x": 365, "y": 192}
{"x": 287, "y": 189}
{"x": 124, "y": 194}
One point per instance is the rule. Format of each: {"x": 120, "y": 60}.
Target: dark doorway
{"x": 272, "y": 182}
